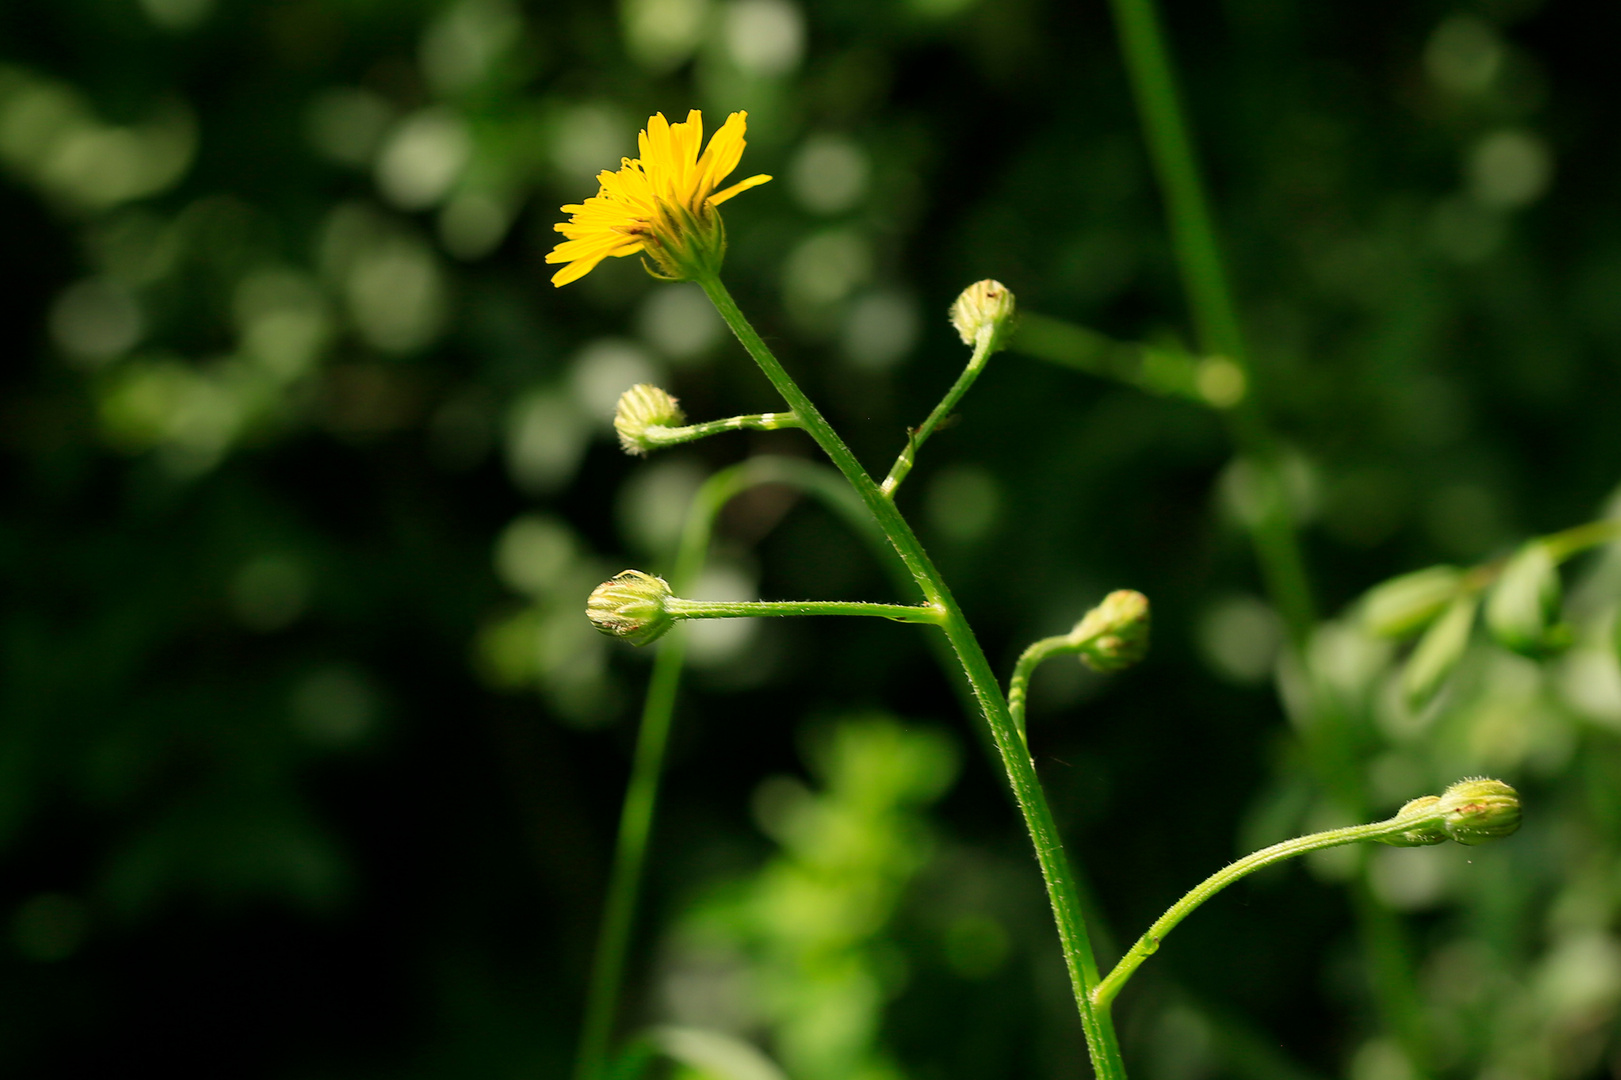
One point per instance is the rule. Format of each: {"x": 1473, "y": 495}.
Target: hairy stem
{"x": 1018, "y": 686}
{"x": 658, "y": 435}
{"x": 1061, "y": 890}
{"x": 682, "y": 608}
{"x": 1150, "y": 942}
{"x": 915, "y": 439}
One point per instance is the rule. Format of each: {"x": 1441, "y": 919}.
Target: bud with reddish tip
{"x": 984, "y": 310}
{"x": 631, "y": 606}
{"x": 1114, "y": 635}
{"x": 1478, "y": 810}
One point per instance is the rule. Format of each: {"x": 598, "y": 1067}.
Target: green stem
{"x": 1150, "y": 942}
{"x": 641, "y": 793}
{"x": 1273, "y": 535}
{"x": 630, "y": 852}
{"x": 1199, "y": 257}
{"x": 983, "y": 347}
{"x": 1061, "y": 890}
{"x": 657, "y": 435}
{"x": 1018, "y": 686}
{"x": 682, "y": 608}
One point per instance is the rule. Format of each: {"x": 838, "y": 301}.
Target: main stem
{"x": 1021, "y": 771}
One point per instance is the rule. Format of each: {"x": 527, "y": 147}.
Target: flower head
{"x": 662, "y": 203}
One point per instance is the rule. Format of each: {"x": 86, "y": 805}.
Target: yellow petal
{"x": 725, "y": 150}
{"x": 737, "y": 189}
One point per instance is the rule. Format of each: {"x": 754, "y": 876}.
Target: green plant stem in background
{"x": 1273, "y": 534}
{"x": 915, "y": 439}
{"x": 683, "y": 608}
{"x": 1150, "y": 942}
{"x": 1214, "y": 314}
{"x": 656, "y": 435}
{"x": 636, "y": 816}
{"x": 1078, "y": 957}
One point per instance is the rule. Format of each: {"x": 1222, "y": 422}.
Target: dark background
{"x": 309, "y": 763}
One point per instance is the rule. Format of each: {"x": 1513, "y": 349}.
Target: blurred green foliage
{"x": 308, "y": 760}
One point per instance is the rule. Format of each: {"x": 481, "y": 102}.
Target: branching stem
{"x": 1061, "y": 890}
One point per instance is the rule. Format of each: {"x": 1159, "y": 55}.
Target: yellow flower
{"x": 662, "y": 203}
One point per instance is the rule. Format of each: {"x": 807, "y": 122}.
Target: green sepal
{"x": 1439, "y": 651}
{"x": 1523, "y": 608}
{"x": 1404, "y": 605}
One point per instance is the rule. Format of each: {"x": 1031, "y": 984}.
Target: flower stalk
{"x": 1469, "y": 812}
{"x": 982, "y": 316}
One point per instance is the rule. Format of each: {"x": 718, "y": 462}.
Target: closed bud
{"x": 1407, "y": 604}
{"x": 641, "y": 407}
{"x": 631, "y": 605}
{"x": 1524, "y": 604}
{"x": 1475, "y": 811}
{"x": 1114, "y": 634}
{"x": 983, "y": 309}
{"x": 1439, "y": 651}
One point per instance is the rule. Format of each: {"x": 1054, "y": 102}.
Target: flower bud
{"x": 631, "y": 605}
{"x": 984, "y": 308}
{"x": 1478, "y": 810}
{"x": 641, "y": 407}
{"x": 1407, "y": 604}
{"x": 1114, "y": 635}
{"x": 1524, "y": 604}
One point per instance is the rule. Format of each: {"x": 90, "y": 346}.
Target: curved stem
{"x": 983, "y": 348}
{"x": 1061, "y": 890}
{"x": 641, "y": 793}
{"x": 1210, "y": 886}
{"x": 1019, "y": 684}
{"x": 682, "y": 608}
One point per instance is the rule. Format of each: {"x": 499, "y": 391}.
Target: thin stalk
{"x": 683, "y": 608}
{"x": 1018, "y": 686}
{"x": 984, "y": 345}
{"x": 630, "y": 853}
{"x": 636, "y": 817}
{"x": 658, "y": 435}
{"x": 1061, "y": 890}
{"x": 1150, "y": 942}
